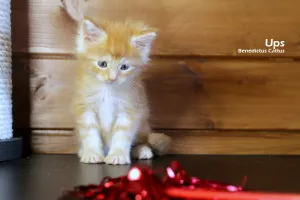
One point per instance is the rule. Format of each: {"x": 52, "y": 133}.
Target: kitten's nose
{"x": 112, "y": 76}
{"x": 112, "y": 79}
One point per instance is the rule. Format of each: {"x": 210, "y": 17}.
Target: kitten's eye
{"x": 124, "y": 67}
{"x": 102, "y": 64}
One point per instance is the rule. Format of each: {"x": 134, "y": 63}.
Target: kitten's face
{"x": 113, "y": 70}
{"x": 114, "y": 52}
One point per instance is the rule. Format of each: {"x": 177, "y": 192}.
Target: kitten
{"x": 111, "y": 107}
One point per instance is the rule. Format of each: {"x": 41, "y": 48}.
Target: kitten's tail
{"x": 160, "y": 143}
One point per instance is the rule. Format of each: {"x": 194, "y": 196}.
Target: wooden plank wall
{"x": 204, "y": 94}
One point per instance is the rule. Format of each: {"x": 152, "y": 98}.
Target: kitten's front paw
{"x": 117, "y": 158}
{"x": 89, "y": 156}
{"x": 142, "y": 152}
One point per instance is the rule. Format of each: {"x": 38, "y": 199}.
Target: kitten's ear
{"x": 89, "y": 33}
{"x": 92, "y": 32}
{"x": 143, "y": 42}
{"x": 74, "y": 8}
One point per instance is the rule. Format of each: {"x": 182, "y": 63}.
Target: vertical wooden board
{"x": 184, "y": 94}
{"x": 42, "y": 26}
{"x": 54, "y": 142}
{"x": 225, "y": 94}
{"x": 190, "y": 142}
{"x": 50, "y": 88}
{"x": 235, "y": 142}
{"x": 194, "y": 27}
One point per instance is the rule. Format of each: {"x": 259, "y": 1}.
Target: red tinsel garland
{"x": 141, "y": 183}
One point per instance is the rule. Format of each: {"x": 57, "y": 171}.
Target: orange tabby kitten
{"x": 110, "y": 100}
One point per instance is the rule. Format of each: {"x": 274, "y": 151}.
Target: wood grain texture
{"x": 194, "y": 27}
{"x": 184, "y": 93}
{"x": 190, "y": 142}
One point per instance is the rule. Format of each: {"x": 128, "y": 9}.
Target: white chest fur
{"x": 106, "y": 106}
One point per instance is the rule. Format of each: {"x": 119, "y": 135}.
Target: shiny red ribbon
{"x": 141, "y": 183}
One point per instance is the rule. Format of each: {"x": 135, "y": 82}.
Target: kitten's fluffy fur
{"x": 110, "y": 100}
